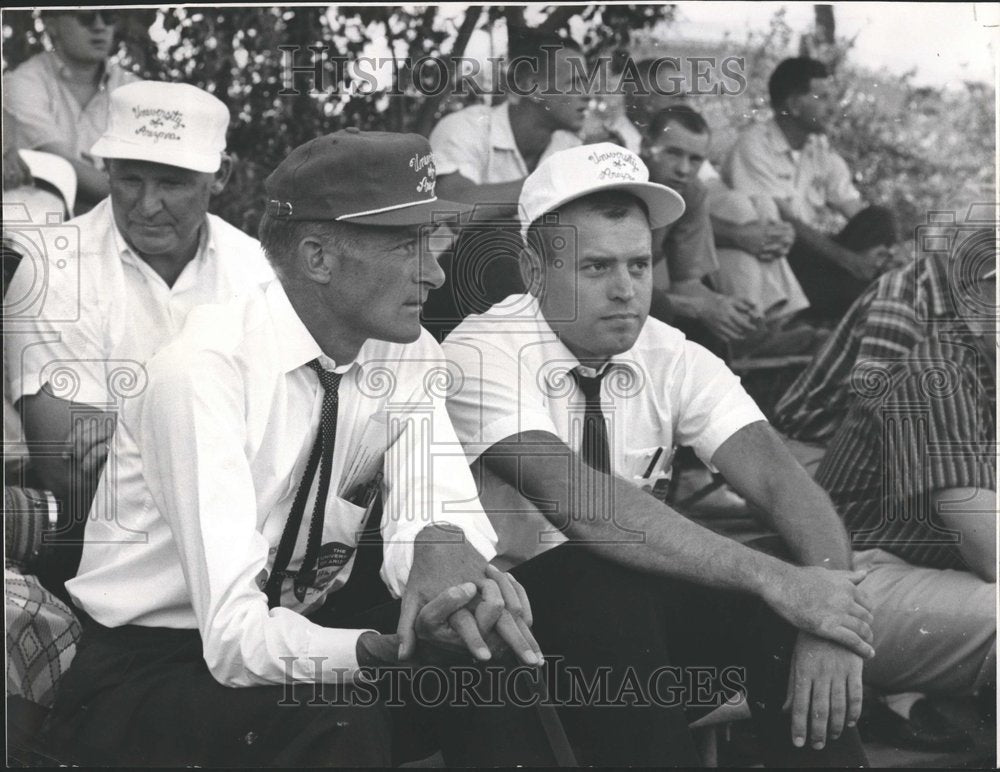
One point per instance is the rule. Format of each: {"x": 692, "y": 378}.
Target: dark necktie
{"x": 595, "y": 449}
{"x": 321, "y": 456}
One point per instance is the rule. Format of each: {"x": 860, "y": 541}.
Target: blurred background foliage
{"x": 916, "y": 149}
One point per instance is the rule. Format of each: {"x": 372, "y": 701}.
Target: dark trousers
{"x": 830, "y": 288}
{"x": 140, "y": 696}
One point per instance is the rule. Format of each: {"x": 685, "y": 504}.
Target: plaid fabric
{"x": 41, "y": 637}
{"x": 887, "y": 321}
{"x": 922, "y": 423}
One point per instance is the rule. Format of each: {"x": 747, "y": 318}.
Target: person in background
{"x": 911, "y": 468}
{"x": 60, "y": 98}
{"x": 120, "y": 282}
{"x": 484, "y": 153}
{"x": 789, "y": 162}
{"x": 730, "y": 322}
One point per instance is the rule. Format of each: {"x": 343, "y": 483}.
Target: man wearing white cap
{"x": 108, "y": 289}
{"x": 234, "y": 628}
{"x": 543, "y": 423}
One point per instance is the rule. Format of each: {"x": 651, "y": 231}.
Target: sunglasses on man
{"x": 89, "y": 18}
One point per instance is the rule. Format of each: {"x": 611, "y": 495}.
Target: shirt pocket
{"x": 649, "y": 469}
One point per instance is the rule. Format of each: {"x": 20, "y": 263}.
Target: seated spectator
{"x": 675, "y": 150}
{"x": 41, "y": 631}
{"x": 565, "y": 452}
{"x": 751, "y": 246}
{"x": 484, "y": 153}
{"x": 121, "y": 285}
{"x": 912, "y": 469}
{"x": 892, "y": 484}
{"x": 60, "y": 98}
{"x": 899, "y": 310}
{"x": 210, "y": 640}
{"x": 789, "y": 161}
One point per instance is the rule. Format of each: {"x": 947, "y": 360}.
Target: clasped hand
{"x": 457, "y": 602}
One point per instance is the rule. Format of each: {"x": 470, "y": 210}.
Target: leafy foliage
{"x": 234, "y": 53}
{"x": 914, "y": 149}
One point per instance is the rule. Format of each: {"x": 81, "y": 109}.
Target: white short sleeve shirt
{"x": 514, "y": 378}
{"x": 478, "y": 143}
{"x": 763, "y": 164}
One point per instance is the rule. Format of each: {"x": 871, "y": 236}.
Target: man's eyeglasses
{"x": 89, "y": 18}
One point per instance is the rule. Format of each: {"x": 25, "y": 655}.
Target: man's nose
{"x": 431, "y": 272}
{"x": 622, "y": 284}
{"x": 150, "y": 200}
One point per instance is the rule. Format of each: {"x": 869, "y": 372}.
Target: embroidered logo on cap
{"x": 617, "y": 165}
{"x": 429, "y": 179}
{"x": 159, "y": 123}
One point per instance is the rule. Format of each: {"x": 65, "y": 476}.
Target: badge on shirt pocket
{"x": 649, "y": 469}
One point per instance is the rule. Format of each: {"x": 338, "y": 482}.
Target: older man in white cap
{"x": 543, "y": 423}
{"x": 106, "y": 291}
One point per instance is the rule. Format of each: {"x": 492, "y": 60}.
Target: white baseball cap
{"x": 168, "y": 123}
{"x": 579, "y": 171}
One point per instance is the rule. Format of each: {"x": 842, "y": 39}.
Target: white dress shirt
{"x": 762, "y": 163}
{"x": 84, "y": 312}
{"x": 205, "y": 467}
{"x": 478, "y": 143}
{"x": 664, "y": 391}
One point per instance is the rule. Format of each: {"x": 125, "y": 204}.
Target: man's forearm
{"x": 727, "y": 233}
{"x": 802, "y": 513}
{"x": 671, "y": 545}
{"x": 628, "y": 526}
{"x": 758, "y": 464}
{"x": 819, "y": 243}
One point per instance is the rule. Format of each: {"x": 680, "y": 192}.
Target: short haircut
{"x": 611, "y": 204}
{"x": 685, "y": 115}
{"x": 793, "y": 78}
{"x": 280, "y": 237}
{"x": 535, "y": 47}
{"x": 533, "y": 43}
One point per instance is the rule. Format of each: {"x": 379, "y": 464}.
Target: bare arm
{"x": 972, "y": 512}
{"x": 67, "y": 441}
{"x": 816, "y": 241}
{"x": 765, "y": 241}
{"x": 648, "y": 536}
{"x": 760, "y": 467}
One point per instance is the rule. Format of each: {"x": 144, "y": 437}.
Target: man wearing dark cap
{"x": 230, "y": 600}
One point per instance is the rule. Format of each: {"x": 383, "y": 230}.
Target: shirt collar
{"x": 63, "y": 70}
{"x": 501, "y": 132}
{"x": 556, "y": 351}
{"x": 298, "y": 346}
{"x": 779, "y": 142}
{"x": 207, "y": 245}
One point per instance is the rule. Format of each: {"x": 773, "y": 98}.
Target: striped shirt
{"x": 918, "y": 424}
{"x": 894, "y": 314}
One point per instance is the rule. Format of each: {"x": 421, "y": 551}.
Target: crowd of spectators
{"x": 152, "y": 441}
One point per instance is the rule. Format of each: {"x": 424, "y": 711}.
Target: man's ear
{"x": 221, "y": 177}
{"x": 530, "y": 265}
{"x": 314, "y": 259}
